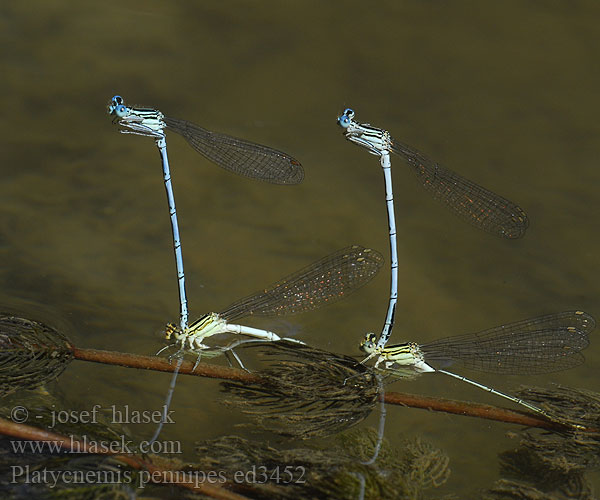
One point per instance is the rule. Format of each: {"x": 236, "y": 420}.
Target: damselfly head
{"x": 343, "y": 121}
{"x": 117, "y": 107}
{"x": 369, "y": 344}
{"x": 121, "y": 111}
{"x": 345, "y": 118}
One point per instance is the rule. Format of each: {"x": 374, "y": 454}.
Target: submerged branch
{"x": 32, "y": 354}
{"x": 455, "y": 407}
{"x": 469, "y": 409}
{"x": 28, "y": 432}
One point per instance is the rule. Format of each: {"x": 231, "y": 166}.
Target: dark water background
{"x": 505, "y": 93}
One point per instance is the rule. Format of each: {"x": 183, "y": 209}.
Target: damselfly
{"x": 236, "y": 155}
{"x": 231, "y": 153}
{"x": 323, "y": 282}
{"x": 150, "y": 123}
{"x": 532, "y": 346}
{"x": 475, "y": 204}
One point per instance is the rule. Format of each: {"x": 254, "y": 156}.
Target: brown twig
{"x": 28, "y": 432}
{"x": 162, "y": 365}
{"x": 471, "y": 410}
{"x": 395, "y": 398}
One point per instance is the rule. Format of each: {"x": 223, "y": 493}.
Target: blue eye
{"x": 349, "y": 112}
{"x": 121, "y": 110}
{"x": 117, "y": 107}
{"x": 343, "y": 121}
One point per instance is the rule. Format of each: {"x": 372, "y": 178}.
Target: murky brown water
{"x": 505, "y": 94}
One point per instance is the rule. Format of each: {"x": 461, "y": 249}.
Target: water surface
{"x": 505, "y": 94}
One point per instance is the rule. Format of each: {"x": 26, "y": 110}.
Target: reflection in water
{"x": 554, "y": 465}
{"x": 331, "y": 472}
{"x": 306, "y": 392}
{"x": 31, "y": 354}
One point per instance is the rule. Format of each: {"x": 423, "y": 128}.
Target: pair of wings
{"x": 531, "y": 346}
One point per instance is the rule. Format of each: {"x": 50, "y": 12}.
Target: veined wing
{"x": 238, "y": 155}
{"x": 537, "y": 345}
{"x": 323, "y": 282}
{"x": 475, "y": 204}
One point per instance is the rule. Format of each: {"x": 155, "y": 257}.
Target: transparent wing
{"x": 538, "y": 345}
{"x": 323, "y": 282}
{"x": 239, "y": 156}
{"x": 474, "y": 203}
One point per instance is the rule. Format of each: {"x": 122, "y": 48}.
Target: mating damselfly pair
{"x": 532, "y": 346}
{"x": 322, "y": 282}
{"x": 556, "y": 339}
